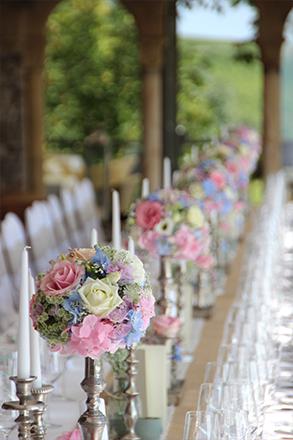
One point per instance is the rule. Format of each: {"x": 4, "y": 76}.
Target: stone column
{"x": 22, "y": 46}
{"x": 150, "y": 20}
{"x": 272, "y": 16}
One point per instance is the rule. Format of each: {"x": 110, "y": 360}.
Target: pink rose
{"x": 70, "y": 435}
{"x": 218, "y": 179}
{"x": 147, "y": 240}
{"x": 166, "y": 326}
{"x": 148, "y": 214}
{"x": 63, "y": 277}
{"x": 188, "y": 246}
{"x": 92, "y": 337}
{"x": 147, "y": 308}
{"x": 205, "y": 261}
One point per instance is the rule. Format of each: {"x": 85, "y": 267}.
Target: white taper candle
{"x": 94, "y": 237}
{"x": 116, "y": 223}
{"x": 23, "y": 339}
{"x": 167, "y": 172}
{"x": 35, "y": 356}
{"x": 145, "y": 190}
{"x": 131, "y": 245}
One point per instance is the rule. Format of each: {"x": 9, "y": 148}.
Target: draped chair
{"x": 8, "y": 294}
{"x": 56, "y": 216}
{"x": 87, "y": 210}
{"x": 13, "y": 241}
{"x": 41, "y": 235}
{"x": 76, "y": 233}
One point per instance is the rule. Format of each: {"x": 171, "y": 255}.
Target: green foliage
{"x": 219, "y": 83}
{"x": 92, "y": 74}
{"x": 93, "y": 79}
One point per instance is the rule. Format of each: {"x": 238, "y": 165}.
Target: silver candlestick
{"x": 166, "y": 285}
{"x": 25, "y": 405}
{"x": 38, "y": 429}
{"x": 92, "y": 422}
{"x": 131, "y": 413}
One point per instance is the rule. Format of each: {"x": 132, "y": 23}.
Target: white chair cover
{"x": 56, "y": 215}
{"x": 41, "y": 235}
{"x": 8, "y": 294}
{"x": 76, "y": 238}
{"x": 85, "y": 199}
{"x": 14, "y": 240}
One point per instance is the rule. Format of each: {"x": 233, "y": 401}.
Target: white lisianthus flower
{"x": 100, "y": 297}
{"x": 138, "y": 271}
{"x": 165, "y": 226}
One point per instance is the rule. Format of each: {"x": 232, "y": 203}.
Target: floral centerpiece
{"x": 209, "y": 182}
{"x": 246, "y": 144}
{"x": 93, "y": 301}
{"x": 169, "y": 223}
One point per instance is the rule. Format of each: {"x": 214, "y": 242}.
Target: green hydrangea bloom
{"x": 53, "y": 320}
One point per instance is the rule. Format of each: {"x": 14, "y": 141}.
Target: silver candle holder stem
{"x": 38, "y": 429}
{"x": 92, "y": 422}
{"x": 180, "y": 281}
{"x": 166, "y": 283}
{"x": 25, "y": 405}
{"x": 131, "y": 413}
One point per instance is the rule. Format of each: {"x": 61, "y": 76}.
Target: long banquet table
{"x": 208, "y": 346}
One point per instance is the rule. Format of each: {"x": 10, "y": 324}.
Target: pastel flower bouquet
{"x": 211, "y": 184}
{"x": 247, "y": 146}
{"x": 93, "y": 301}
{"x": 169, "y": 223}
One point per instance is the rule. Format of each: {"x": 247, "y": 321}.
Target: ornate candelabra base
{"x": 92, "y": 422}
{"x": 166, "y": 283}
{"x": 131, "y": 413}
{"x": 38, "y": 429}
{"x": 25, "y": 405}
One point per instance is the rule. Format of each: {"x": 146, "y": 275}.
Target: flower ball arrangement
{"x": 246, "y": 144}
{"x": 170, "y": 223}
{"x": 209, "y": 182}
{"x": 93, "y": 301}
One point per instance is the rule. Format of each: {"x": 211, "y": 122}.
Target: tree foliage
{"x": 93, "y": 79}
{"x": 92, "y": 74}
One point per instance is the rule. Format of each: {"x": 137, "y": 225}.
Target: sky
{"x": 234, "y": 24}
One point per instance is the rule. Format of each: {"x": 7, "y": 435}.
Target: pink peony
{"x": 166, "y": 326}
{"x": 92, "y": 337}
{"x": 205, "y": 261}
{"x": 71, "y": 435}
{"x": 188, "y": 246}
{"x": 147, "y": 240}
{"x": 63, "y": 277}
{"x": 148, "y": 214}
{"x": 218, "y": 179}
{"x": 147, "y": 308}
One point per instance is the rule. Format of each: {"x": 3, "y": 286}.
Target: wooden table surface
{"x": 207, "y": 348}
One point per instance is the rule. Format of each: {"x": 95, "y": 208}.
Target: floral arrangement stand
{"x": 131, "y": 413}
{"x": 166, "y": 285}
{"x": 41, "y": 394}
{"x": 92, "y": 422}
{"x": 90, "y": 302}
{"x": 153, "y": 381}
{"x": 25, "y": 405}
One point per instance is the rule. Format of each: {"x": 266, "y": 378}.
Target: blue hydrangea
{"x": 74, "y": 305}
{"x": 153, "y": 197}
{"x": 164, "y": 247}
{"x": 209, "y": 188}
{"x": 101, "y": 259}
{"x": 135, "y": 319}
